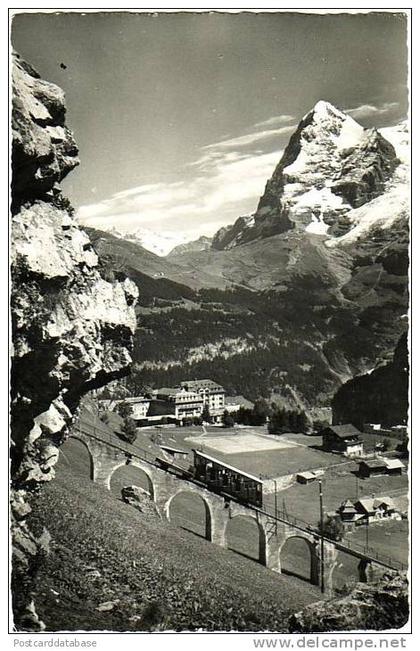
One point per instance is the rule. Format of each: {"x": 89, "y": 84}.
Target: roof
{"x": 374, "y": 463}
{"x": 239, "y": 400}
{"x": 202, "y": 384}
{"x": 344, "y": 431}
{"x": 347, "y": 504}
{"x": 367, "y": 504}
{"x": 306, "y": 474}
{"x": 388, "y": 501}
{"x": 171, "y": 448}
{"x": 167, "y": 390}
{"x": 222, "y": 463}
{"x": 391, "y": 464}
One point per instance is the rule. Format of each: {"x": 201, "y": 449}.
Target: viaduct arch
{"x": 220, "y": 512}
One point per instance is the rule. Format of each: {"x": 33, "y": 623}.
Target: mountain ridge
{"x": 302, "y": 309}
{"x": 330, "y": 165}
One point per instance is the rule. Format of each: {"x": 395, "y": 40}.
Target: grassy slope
{"x": 163, "y": 577}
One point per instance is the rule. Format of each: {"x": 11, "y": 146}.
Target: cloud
{"x": 223, "y": 183}
{"x": 276, "y": 120}
{"x": 248, "y": 139}
{"x": 369, "y": 110}
{"x": 217, "y": 194}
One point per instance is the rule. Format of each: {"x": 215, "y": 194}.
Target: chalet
{"x": 380, "y": 466}
{"x": 394, "y": 466}
{"x": 366, "y": 507}
{"x": 342, "y": 438}
{"x": 139, "y": 407}
{"x": 348, "y": 512}
{"x": 384, "y": 507}
{"x": 372, "y": 467}
{"x": 211, "y": 393}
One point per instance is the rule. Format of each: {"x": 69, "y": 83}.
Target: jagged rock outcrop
{"x": 72, "y": 330}
{"x": 376, "y": 607}
{"x": 365, "y": 169}
{"x": 330, "y": 166}
{"x": 140, "y": 500}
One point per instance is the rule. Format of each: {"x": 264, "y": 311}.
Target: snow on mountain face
{"x": 203, "y": 243}
{"x": 158, "y": 243}
{"x": 331, "y": 166}
{"x": 390, "y": 206}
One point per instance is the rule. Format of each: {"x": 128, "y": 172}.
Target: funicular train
{"x": 223, "y": 478}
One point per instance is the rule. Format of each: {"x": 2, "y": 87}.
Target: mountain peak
{"x": 327, "y": 121}
{"x": 325, "y": 109}
{"x": 330, "y": 166}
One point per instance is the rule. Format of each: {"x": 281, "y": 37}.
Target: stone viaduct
{"x": 164, "y": 486}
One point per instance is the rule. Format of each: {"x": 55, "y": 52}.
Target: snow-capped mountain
{"x": 158, "y": 243}
{"x": 203, "y": 243}
{"x": 304, "y": 294}
{"x": 331, "y": 166}
{"x": 389, "y": 206}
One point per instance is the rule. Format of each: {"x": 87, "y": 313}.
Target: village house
{"x": 348, "y": 512}
{"x": 342, "y": 438}
{"x": 139, "y": 406}
{"x": 376, "y": 508}
{"x": 372, "y": 467}
{"x": 212, "y": 394}
{"x": 385, "y": 507}
{"x": 380, "y": 466}
{"x": 394, "y": 466}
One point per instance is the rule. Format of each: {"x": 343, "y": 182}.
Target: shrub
{"x": 206, "y": 414}
{"x": 333, "y": 528}
{"x": 227, "y": 419}
{"x": 128, "y": 430}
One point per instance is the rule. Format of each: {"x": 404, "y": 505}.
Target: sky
{"x": 181, "y": 118}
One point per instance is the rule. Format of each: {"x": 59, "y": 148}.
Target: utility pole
{"x": 321, "y": 522}
{"x": 275, "y": 503}
{"x": 367, "y": 532}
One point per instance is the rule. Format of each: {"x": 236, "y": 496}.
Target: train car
{"x": 223, "y": 478}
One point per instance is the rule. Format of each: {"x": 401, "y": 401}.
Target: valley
{"x": 276, "y": 309}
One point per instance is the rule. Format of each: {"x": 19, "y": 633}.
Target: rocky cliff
{"x": 368, "y": 607}
{"x": 377, "y": 397}
{"x": 330, "y": 166}
{"x": 72, "y": 330}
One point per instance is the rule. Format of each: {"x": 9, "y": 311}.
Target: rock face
{"x": 330, "y": 166}
{"x": 72, "y": 330}
{"x": 140, "y": 500}
{"x": 379, "y": 606}
{"x": 377, "y": 397}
